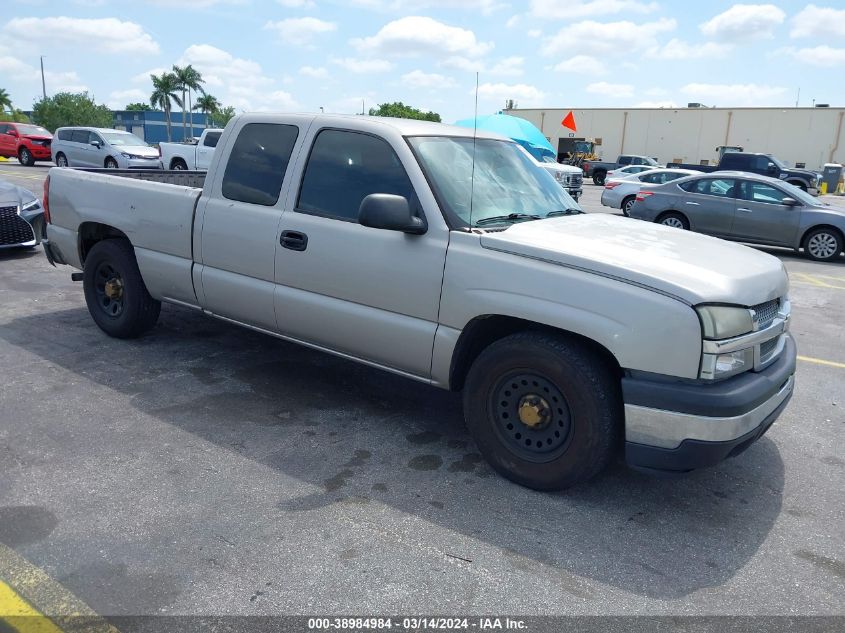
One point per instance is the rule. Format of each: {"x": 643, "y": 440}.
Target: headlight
{"x": 31, "y": 204}
{"x": 125, "y": 155}
{"x": 720, "y": 322}
{"x": 559, "y": 176}
{"x": 717, "y": 366}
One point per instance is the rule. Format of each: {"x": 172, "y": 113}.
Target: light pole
{"x": 43, "y": 83}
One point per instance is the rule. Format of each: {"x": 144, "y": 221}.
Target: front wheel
{"x": 599, "y": 177}
{"x": 823, "y": 244}
{"x": 111, "y": 163}
{"x": 115, "y": 293}
{"x": 25, "y": 157}
{"x": 545, "y": 410}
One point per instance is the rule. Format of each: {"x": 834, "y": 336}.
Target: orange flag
{"x": 569, "y": 121}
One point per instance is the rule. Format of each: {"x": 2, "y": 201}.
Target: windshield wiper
{"x": 512, "y": 217}
{"x": 552, "y": 214}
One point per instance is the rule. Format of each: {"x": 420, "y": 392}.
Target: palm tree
{"x": 189, "y": 79}
{"x": 207, "y": 104}
{"x": 165, "y": 88}
{"x": 5, "y": 101}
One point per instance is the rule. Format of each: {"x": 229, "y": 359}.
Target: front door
{"x": 761, "y": 215}
{"x": 7, "y": 142}
{"x": 205, "y": 150}
{"x": 710, "y": 204}
{"x": 370, "y": 293}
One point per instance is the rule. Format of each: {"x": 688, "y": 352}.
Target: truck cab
{"x": 768, "y": 165}
{"x": 190, "y": 156}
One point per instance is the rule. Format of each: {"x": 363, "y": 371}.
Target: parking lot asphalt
{"x": 207, "y": 469}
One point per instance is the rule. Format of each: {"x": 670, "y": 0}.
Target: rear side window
{"x": 625, "y": 160}
{"x": 3, "y": 128}
{"x": 346, "y": 167}
{"x": 212, "y": 139}
{"x": 258, "y": 163}
{"x": 79, "y": 136}
{"x": 720, "y": 187}
{"x": 732, "y": 160}
{"x": 65, "y": 135}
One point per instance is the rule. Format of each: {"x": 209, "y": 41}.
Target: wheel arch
{"x": 92, "y": 232}
{"x": 178, "y": 160}
{"x": 112, "y": 158}
{"x": 485, "y": 330}
{"x": 815, "y": 227}
{"x": 663, "y": 214}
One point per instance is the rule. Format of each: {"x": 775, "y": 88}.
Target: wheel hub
{"x": 534, "y": 411}
{"x": 114, "y": 288}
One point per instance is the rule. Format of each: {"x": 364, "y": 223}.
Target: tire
{"x": 25, "y": 157}
{"x": 178, "y": 164}
{"x": 823, "y": 244}
{"x": 111, "y": 163}
{"x": 61, "y": 160}
{"x": 627, "y": 203}
{"x": 674, "y": 219}
{"x": 573, "y": 422}
{"x": 599, "y": 177}
{"x": 134, "y": 311}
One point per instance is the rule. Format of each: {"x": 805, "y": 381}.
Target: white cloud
{"x": 513, "y": 21}
{"x": 420, "y": 79}
{"x": 607, "y": 38}
{"x": 19, "y": 71}
{"x": 300, "y": 30}
{"x": 462, "y": 63}
{"x": 315, "y": 72}
{"x": 297, "y": 4}
{"x": 656, "y": 104}
{"x": 816, "y": 21}
{"x": 824, "y": 56}
{"x": 744, "y": 21}
{"x": 676, "y": 49}
{"x": 120, "y": 98}
{"x": 501, "y": 92}
{"x": 508, "y": 66}
{"x": 145, "y": 76}
{"x": 107, "y": 35}
{"x": 535, "y": 33}
{"x": 485, "y": 6}
{"x": 416, "y": 35}
{"x": 734, "y": 94}
{"x": 281, "y": 100}
{"x": 363, "y": 66}
{"x": 194, "y": 4}
{"x": 581, "y": 65}
{"x": 557, "y": 10}
{"x": 610, "y": 90}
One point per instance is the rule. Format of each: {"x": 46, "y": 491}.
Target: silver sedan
{"x": 748, "y": 208}
{"x": 620, "y": 193}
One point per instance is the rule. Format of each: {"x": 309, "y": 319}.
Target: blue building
{"x": 151, "y": 125}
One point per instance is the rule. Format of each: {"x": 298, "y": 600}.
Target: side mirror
{"x": 389, "y": 212}
{"x": 789, "y": 202}
{"x": 96, "y": 144}
{"x": 772, "y": 168}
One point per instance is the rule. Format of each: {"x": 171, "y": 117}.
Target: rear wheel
{"x": 25, "y": 157}
{"x": 178, "y": 164}
{"x": 627, "y": 205}
{"x": 674, "y": 220}
{"x": 823, "y": 244}
{"x": 599, "y": 177}
{"x": 115, "y": 293}
{"x": 61, "y": 160}
{"x": 111, "y": 163}
{"x": 544, "y": 409}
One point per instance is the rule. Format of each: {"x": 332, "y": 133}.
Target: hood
{"x": 693, "y": 267}
{"x": 139, "y": 150}
{"x": 801, "y": 172}
{"x": 38, "y": 137}
{"x": 13, "y": 195}
{"x": 567, "y": 169}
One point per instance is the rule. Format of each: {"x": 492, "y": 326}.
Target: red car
{"x": 28, "y": 143}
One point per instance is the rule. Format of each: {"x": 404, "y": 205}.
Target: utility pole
{"x": 43, "y": 84}
{"x": 798, "y": 98}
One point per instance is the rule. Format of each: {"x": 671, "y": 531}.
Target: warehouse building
{"x": 801, "y": 137}
{"x": 151, "y": 125}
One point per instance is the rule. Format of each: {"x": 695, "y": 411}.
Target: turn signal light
{"x": 611, "y": 185}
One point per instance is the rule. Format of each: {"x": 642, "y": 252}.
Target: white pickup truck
{"x": 412, "y": 247}
{"x": 193, "y": 156}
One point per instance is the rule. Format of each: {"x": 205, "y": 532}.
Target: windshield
{"x": 548, "y": 159}
{"x": 776, "y": 161}
{"x": 800, "y": 195}
{"x": 648, "y": 160}
{"x": 123, "y": 138}
{"x": 506, "y": 181}
{"x": 33, "y": 130}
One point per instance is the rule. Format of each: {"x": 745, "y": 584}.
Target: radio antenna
{"x": 474, "y": 136}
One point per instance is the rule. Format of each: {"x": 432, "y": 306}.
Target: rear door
{"x": 78, "y": 154}
{"x": 7, "y": 144}
{"x": 205, "y": 150}
{"x": 762, "y": 217}
{"x": 710, "y": 204}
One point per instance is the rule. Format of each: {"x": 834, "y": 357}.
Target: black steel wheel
{"x": 544, "y": 409}
{"x": 115, "y": 293}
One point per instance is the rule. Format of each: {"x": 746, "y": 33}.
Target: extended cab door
{"x": 761, "y": 215}
{"x": 205, "y": 150}
{"x": 236, "y": 228}
{"x": 373, "y": 294}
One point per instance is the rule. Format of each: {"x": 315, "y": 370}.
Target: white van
{"x": 102, "y": 147}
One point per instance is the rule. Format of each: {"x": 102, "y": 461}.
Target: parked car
{"x": 28, "y": 143}
{"x": 451, "y": 259}
{"x": 194, "y": 156}
{"x": 102, "y": 147}
{"x": 621, "y": 193}
{"x": 21, "y": 216}
{"x": 628, "y": 170}
{"x": 597, "y": 170}
{"x": 746, "y": 207}
{"x": 764, "y": 165}
{"x": 569, "y": 177}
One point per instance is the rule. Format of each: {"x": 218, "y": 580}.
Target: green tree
{"x": 189, "y": 79}
{"x": 5, "y": 101}
{"x": 207, "y": 104}
{"x": 68, "y": 108}
{"x": 15, "y": 116}
{"x": 399, "y": 110}
{"x": 164, "y": 92}
{"x": 138, "y": 107}
{"x": 224, "y": 115}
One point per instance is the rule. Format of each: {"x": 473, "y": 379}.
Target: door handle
{"x": 694, "y": 204}
{"x": 744, "y": 210}
{"x": 294, "y": 240}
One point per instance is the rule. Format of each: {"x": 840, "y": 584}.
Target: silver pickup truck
{"x": 413, "y": 247}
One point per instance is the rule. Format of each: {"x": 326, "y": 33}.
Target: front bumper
{"x": 142, "y": 163}
{"x": 678, "y": 426}
{"x": 40, "y": 152}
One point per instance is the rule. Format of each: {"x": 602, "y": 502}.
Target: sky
{"x": 303, "y": 55}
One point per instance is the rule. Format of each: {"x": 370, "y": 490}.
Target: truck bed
{"x": 180, "y": 177}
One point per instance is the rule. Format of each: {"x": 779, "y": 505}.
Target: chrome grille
{"x": 13, "y": 228}
{"x": 765, "y": 313}
{"x": 768, "y": 348}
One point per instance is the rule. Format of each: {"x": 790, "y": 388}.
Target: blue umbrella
{"x": 520, "y": 130}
